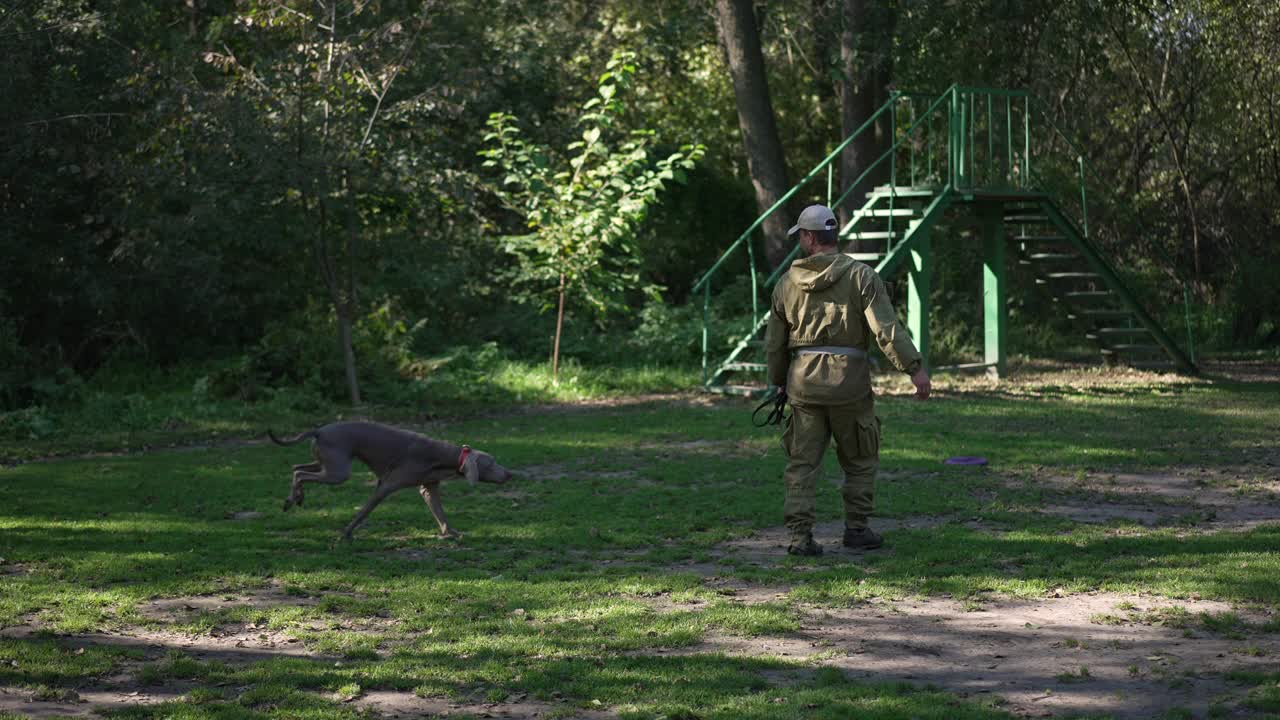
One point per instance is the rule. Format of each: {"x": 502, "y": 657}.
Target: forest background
{"x": 267, "y": 194}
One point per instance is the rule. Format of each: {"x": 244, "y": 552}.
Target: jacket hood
{"x": 819, "y": 272}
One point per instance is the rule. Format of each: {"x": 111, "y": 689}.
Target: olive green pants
{"x": 856, "y": 430}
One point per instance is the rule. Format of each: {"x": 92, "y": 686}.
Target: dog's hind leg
{"x": 300, "y": 475}
{"x": 397, "y": 479}
{"x": 329, "y": 468}
{"x": 382, "y": 493}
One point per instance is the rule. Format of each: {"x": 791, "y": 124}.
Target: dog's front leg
{"x": 431, "y": 493}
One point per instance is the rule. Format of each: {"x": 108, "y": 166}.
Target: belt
{"x": 831, "y": 350}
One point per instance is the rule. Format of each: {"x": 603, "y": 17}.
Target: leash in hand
{"x": 778, "y": 415}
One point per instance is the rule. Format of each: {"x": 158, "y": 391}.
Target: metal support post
{"x": 919, "y": 288}
{"x": 994, "y": 301}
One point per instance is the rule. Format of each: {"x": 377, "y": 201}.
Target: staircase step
{"x": 867, "y": 257}
{"x": 1051, "y": 257}
{"x": 1039, "y": 238}
{"x": 1013, "y": 211}
{"x": 896, "y": 212}
{"x": 1131, "y": 347}
{"x": 1072, "y": 276}
{"x": 1098, "y": 313}
{"x": 1026, "y": 219}
{"x": 1105, "y": 333}
{"x": 900, "y": 191}
{"x": 1088, "y": 294}
{"x": 873, "y": 235}
{"x": 759, "y": 367}
{"x": 1122, "y": 331}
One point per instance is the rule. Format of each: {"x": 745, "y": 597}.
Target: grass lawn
{"x": 610, "y": 579}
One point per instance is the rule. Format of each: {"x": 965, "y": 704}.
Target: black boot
{"x": 864, "y": 539}
{"x": 804, "y": 545}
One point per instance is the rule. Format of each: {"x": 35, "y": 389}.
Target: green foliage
{"x": 29, "y": 423}
{"x": 582, "y": 212}
{"x": 298, "y": 352}
{"x": 172, "y": 173}
{"x": 15, "y": 361}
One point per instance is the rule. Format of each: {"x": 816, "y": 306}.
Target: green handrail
{"x": 968, "y": 170}
{"x": 704, "y": 283}
{"x": 777, "y": 272}
{"x": 892, "y": 149}
{"x": 1102, "y": 267}
{"x": 789, "y": 194}
{"x": 1142, "y": 227}
{"x": 1093, "y": 173}
{"x": 980, "y": 162}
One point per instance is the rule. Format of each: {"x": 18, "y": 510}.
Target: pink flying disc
{"x": 965, "y": 460}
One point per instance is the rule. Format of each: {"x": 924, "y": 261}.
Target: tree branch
{"x": 73, "y": 116}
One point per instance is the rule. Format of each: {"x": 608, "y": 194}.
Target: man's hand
{"x": 923, "y": 386}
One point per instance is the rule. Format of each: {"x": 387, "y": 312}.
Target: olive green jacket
{"x": 832, "y": 299}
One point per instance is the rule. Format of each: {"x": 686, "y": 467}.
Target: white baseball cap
{"x": 815, "y": 217}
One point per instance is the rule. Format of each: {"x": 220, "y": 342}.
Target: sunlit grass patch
{"x": 32, "y": 662}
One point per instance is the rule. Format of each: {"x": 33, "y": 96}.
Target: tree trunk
{"x": 741, "y": 41}
{"x": 555, "y": 351}
{"x": 866, "y": 55}
{"x": 348, "y": 353}
{"x": 350, "y": 301}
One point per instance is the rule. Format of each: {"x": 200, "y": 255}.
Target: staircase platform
{"x": 902, "y": 191}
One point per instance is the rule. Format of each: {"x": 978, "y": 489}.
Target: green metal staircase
{"x": 994, "y": 155}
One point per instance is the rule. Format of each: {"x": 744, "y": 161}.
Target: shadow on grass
{"x": 689, "y": 686}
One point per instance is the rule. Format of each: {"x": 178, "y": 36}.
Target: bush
{"x": 13, "y": 360}
{"x": 302, "y": 353}
{"x": 672, "y": 334}
{"x": 32, "y": 423}
{"x": 27, "y": 379}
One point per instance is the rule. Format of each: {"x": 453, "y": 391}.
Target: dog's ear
{"x": 471, "y": 467}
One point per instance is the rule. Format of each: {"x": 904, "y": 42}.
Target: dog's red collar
{"x": 462, "y": 458}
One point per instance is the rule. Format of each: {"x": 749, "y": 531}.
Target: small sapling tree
{"x": 582, "y": 207}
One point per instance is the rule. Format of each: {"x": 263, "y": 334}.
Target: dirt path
{"x": 1126, "y": 656}
{"x": 1101, "y": 654}
{"x": 379, "y": 703}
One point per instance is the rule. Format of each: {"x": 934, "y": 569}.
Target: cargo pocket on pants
{"x": 869, "y": 437}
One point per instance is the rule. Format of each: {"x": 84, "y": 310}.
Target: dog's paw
{"x": 294, "y": 498}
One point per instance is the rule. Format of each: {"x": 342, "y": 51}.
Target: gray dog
{"x": 399, "y": 458}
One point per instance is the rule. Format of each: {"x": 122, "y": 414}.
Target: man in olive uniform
{"x": 826, "y": 310}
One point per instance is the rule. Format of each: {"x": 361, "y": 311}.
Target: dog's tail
{"x": 293, "y": 440}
